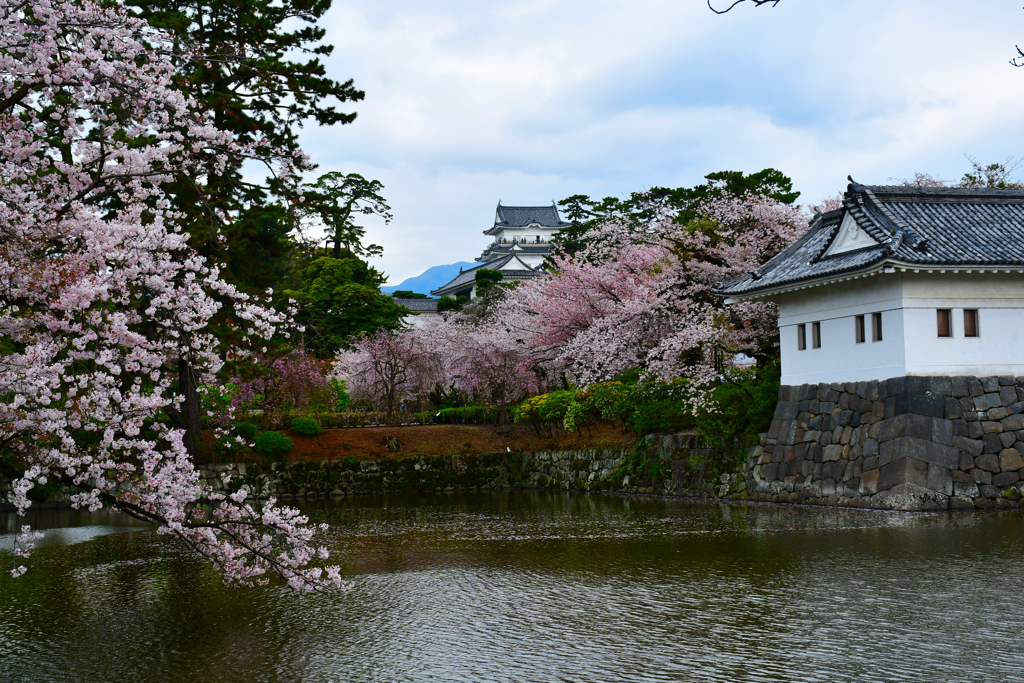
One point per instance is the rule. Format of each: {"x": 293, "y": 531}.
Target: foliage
{"x": 306, "y": 426}
{"x": 341, "y": 299}
{"x": 273, "y": 444}
{"x": 465, "y": 415}
{"x": 447, "y": 303}
{"x": 387, "y": 369}
{"x": 335, "y": 198}
{"x": 246, "y": 430}
{"x": 105, "y": 317}
{"x": 341, "y": 394}
{"x": 742, "y": 409}
{"x": 643, "y": 296}
{"x": 294, "y": 382}
{"x": 408, "y": 294}
{"x": 255, "y": 68}
{"x": 486, "y": 279}
{"x": 682, "y": 204}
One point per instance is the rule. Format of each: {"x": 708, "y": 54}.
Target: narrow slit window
{"x": 970, "y": 322}
{"x": 944, "y": 320}
{"x": 858, "y": 328}
{"x": 816, "y": 335}
{"x": 876, "y": 327}
{"x": 801, "y": 337}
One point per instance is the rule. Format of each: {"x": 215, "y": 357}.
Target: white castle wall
{"x": 910, "y": 343}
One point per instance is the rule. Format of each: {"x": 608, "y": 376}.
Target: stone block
{"x": 1013, "y": 423}
{"x": 987, "y": 462}
{"x": 870, "y": 463}
{"x": 987, "y": 401}
{"x": 1008, "y": 394}
{"x": 959, "y": 386}
{"x": 971, "y": 446}
{"x": 974, "y": 430}
{"x": 940, "y": 479}
{"x": 844, "y": 438}
{"x": 959, "y": 427}
{"x": 1010, "y": 459}
{"x": 992, "y": 443}
{"x": 1008, "y": 439}
{"x": 959, "y": 476}
{"x": 953, "y": 410}
{"x": 877, "y": 411}
{"x": 910, "y": 497}
{"x": 997, "y": 413}
{"x": 966, "y": 462}
{"x": 1005, "y": 479}
{"x": 868, "y": 482}
{"x": 1006, "y": 380}
{"x": 975, "y": 385}
{"x": 991, "y": 427}
{"x": 905, "y": 424}
{"x": 919, "y": 404}
{"x": 895, "y": 386}
{"x": 942, "y": 431}
{"x": 989, "y": 384}
{"x": 988, "y": 491}
{"x": 966, "y": 489}
{"x": 905, "y": 470}
{"x": 919, "y": 449}
{"x": 832, "y": 452}
{"x": 981, "y": 476}
{"x": 787, "y": 410}
{"x": 869, "y": 448}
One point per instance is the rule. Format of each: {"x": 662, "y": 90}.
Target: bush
{"x": 743, "y": 409}
{"x": 246, "y": 430}
{"x": 341, "y": 394}
{"x": 273, "y": 444}
{"x": 306, "y": 426}
{"x": 466, "y": 415}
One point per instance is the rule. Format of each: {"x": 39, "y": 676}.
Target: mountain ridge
{"x": 431, "y": 278}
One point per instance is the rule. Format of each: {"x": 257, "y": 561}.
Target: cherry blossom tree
{"x": 102, "y": 299}
{"x": 643, "y": 296}
{"x": 388, "y": 368}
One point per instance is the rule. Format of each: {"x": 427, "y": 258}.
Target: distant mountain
{"x": 431, "y": 278}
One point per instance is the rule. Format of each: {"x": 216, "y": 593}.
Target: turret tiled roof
{"x": 510, "y": 267}
{"x": 918, "y": 226}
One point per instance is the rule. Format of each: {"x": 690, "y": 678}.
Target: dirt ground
{"x": 362, "y": 442}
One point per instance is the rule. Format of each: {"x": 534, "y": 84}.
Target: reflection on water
{"x": 526, "y": 586}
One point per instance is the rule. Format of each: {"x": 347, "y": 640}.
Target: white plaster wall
{"x": 910, "y": 343}
{"x": 421, "y": 320}
{"x": 999, "y": 300}
{"x": 841, "y": 358}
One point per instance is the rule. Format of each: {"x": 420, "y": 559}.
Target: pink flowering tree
{"x": 294, "y": 382}
{"x": 103, "y": 302}
{"x": 485, "y": 353}
{"x": 390, "y": 368}
{"x": 643, "y": 295}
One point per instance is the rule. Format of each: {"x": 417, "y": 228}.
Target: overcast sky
{"x": 529, "y": 101}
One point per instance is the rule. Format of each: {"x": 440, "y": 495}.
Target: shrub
{"x": 743, "y": 409}
{"x": 273, "y": 444}
{"x": 306, "y": 426}
{"x": 555, "y": 404}
{"x": 341, "y": 394}
{"x": 246, "y": 430}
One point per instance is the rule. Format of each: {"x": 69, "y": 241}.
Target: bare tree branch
{"x": 757, "y": 3}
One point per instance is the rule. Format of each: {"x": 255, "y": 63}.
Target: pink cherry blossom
{"x": 102, "y": 297}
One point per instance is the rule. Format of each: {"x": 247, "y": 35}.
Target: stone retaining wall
{"x": 908, "y": 443}
{"x": 662, "y": 464}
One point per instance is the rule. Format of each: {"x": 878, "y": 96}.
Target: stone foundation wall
{"x": 908, "y": 443}
{"x": 662, "y": 464}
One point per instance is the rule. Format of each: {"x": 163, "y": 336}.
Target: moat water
{"x": 526, "y": 586}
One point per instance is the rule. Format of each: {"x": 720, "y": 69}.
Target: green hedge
{"x": 273, "y": 444}
{"x": 306, "y": 426}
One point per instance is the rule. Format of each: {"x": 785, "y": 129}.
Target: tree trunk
{"x": 189, "y": 416}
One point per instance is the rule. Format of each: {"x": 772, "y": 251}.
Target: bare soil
{"x": 364, "y": 442}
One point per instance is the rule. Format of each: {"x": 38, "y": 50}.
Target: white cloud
{"x": 533, "y": 100}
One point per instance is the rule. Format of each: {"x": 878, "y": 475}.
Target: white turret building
{"x": 521, "y": 241}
